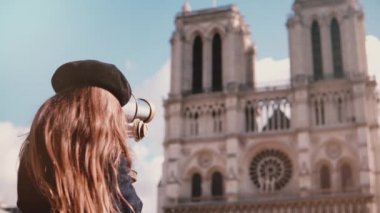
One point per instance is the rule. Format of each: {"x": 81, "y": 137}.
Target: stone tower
{"x": 305, "y": 147}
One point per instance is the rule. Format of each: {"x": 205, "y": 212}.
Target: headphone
{"x": 138, "y": 112}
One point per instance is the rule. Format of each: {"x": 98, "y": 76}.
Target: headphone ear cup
{"x": 137, "y": 129}
{"x": 141, "y": 130}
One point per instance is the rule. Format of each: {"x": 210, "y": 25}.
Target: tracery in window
{"x": 270, "y": 170}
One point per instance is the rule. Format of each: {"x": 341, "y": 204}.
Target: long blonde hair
{"x": 74, "y": 148}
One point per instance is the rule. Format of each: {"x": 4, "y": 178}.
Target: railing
{"x": 267, "y": 113}
{"x": 203, "y": 199}
{"x": 305, "y": 79}
{"x": 353, "y": 203}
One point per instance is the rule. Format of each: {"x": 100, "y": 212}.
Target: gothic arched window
{"x": 316, "y": 107}
{"x": 346, "y": 176}
{"x": 197, "y": 65}
{"x": 325, "y": 177}
{"x": 217, "y": 120}
{"x": 196, "y": 124}
{"x": 250, "y": 118}
{"x": 322, "y": 108}
{"x": 217, "y": 63}
{"x": 317, "y": 51}
{"x": 196, "y": 186}
{"x": 336, "y": 49}
{"x": 217, "y": 184}
{"x": 340, "y": 110}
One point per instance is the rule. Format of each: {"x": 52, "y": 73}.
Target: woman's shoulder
{"x": 126, "y": 179}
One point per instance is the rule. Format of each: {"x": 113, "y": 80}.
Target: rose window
{"x": 270, "y": 170}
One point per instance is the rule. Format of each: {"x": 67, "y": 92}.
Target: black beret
{"x": 85, "y": 73}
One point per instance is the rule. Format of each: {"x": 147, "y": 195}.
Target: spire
{"x": 186, "y": 8}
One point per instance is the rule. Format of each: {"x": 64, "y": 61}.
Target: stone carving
{"x": 205, "y": 159}
{"x": 304, "y": 169}
{"x": 333, "y": 150}
{"x": 350, "y": 137}
{"x": 185, "y": 151}
{"x": 270, "y": 170}
{"x": 222, "y": 148}
{"x": 315, "y": 139}
{"x": 232, "y": 174}
{"x": 172, "y": 177}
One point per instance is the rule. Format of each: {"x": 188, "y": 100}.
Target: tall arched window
{"x": 217, "y": 120}
{"x": 250, "y": 118}
{"x": 336, "y": 49}
{"x": 317, "y": 51}
{"x": 325, "y": 177}
{"x": 216, "y": 63}
{"x": 217, "y": 184}
{"x": 322, "y": 107}
{"x": 196, "y": 124}
{"x": 196, "y": 186}
{"x": 316, "y": 107}
{"x": 340, "y": 110}
{"x": 346, "y": 176}
{"x": 197, "y": 65}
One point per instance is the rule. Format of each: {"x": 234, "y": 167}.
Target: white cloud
{"x": 155, "y": 89}
{"x": 149, "y": 174}
{"x": 271, "y": 72}
{"x": 11, "y": 138}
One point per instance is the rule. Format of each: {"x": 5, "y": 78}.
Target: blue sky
{"x": 36, "y": 36}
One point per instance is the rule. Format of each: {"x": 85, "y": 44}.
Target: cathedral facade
{"x": 306, "y": 147}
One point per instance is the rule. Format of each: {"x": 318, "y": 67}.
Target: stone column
{"x": 174, "y": 120}
{"x": 230, "y": 56}
{"x": 301, "y": 123}
{"x": 207, "y": 65}
{"x": 297, "y": 57}
{"x": 232, "y": 148}
{"x": 232, "y": 169}
{"x": 176, "y": 65}
{"x": 172, "y": 176}
{"x": 206, "y": 188}
{"x": 187, "y": 66}
{"x": 336, "y": 208}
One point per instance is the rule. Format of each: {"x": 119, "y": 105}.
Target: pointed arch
{"x": 197, "y": 65}
{"x": 217, "y": 184}
{"x": 250, "y": 117}
{"x": 217, "y": 63}
{"x": 325, "y": 176}
{"x": 346, "y": 176}
{"x": 340, "y": 110}
{"x": 196, "y": 186}
{"x": 317, "y": 51}
{"x": 336, "y": 48}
